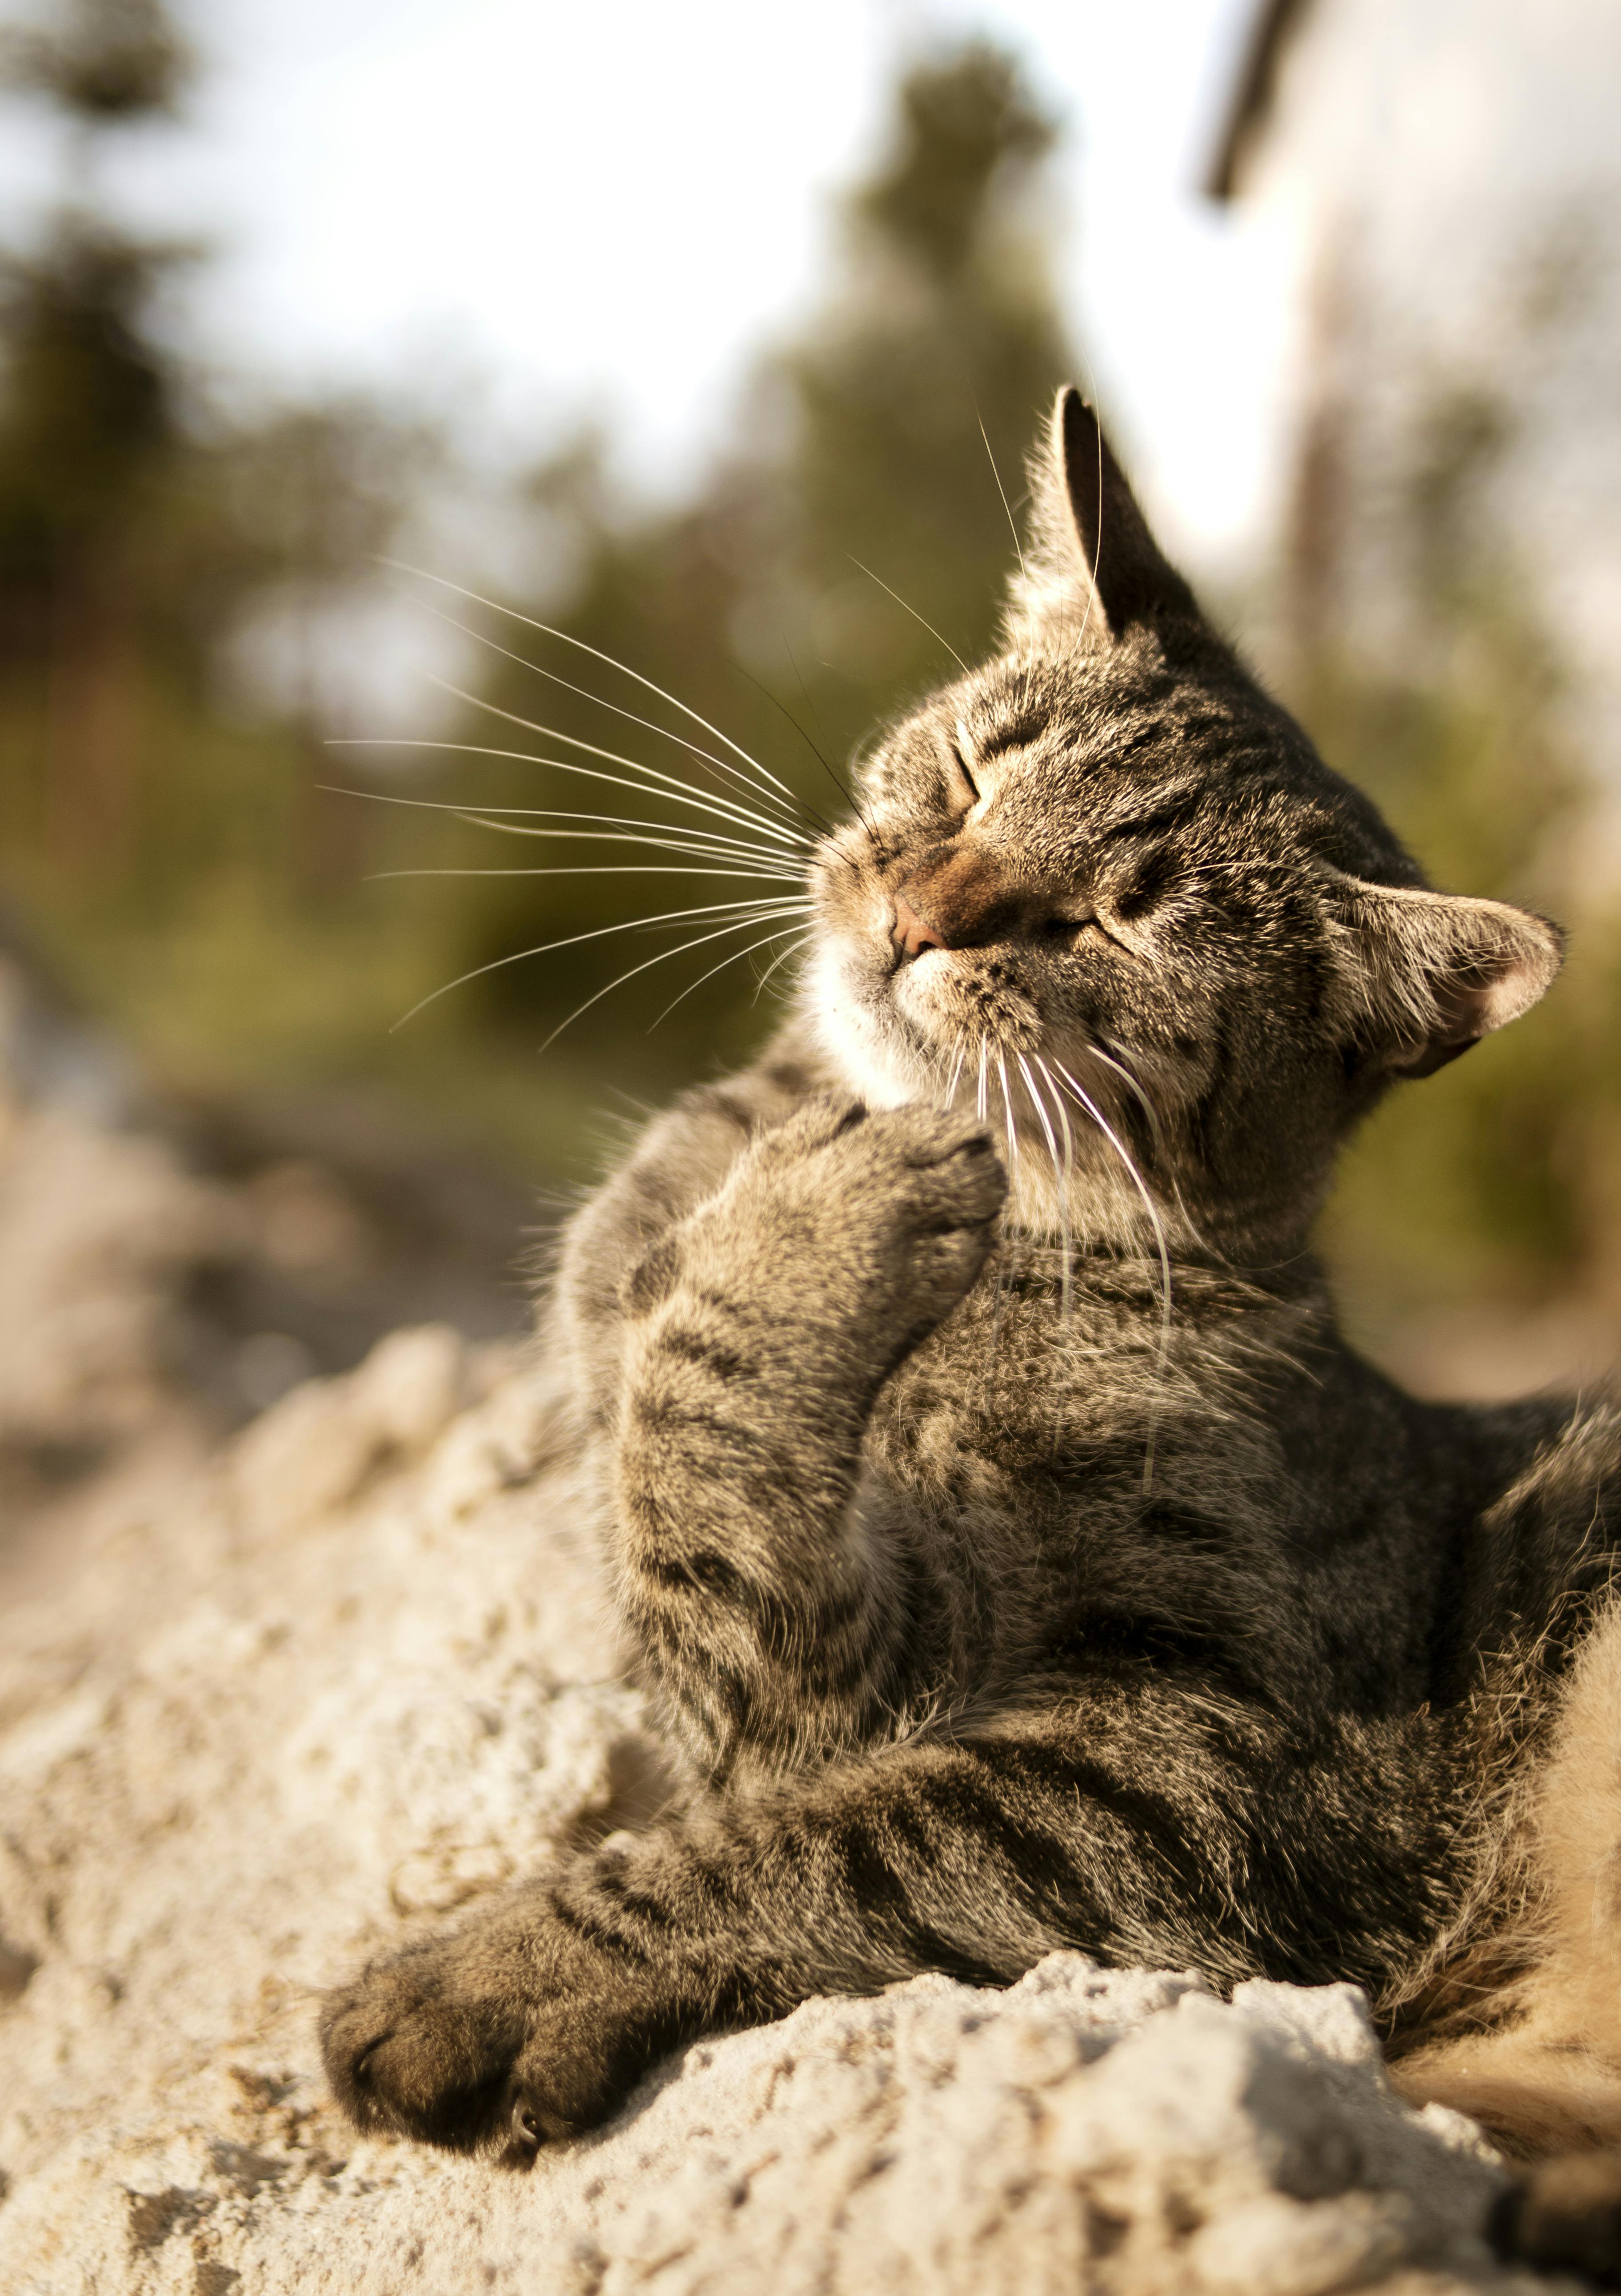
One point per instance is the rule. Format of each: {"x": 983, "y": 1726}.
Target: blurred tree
{"x": 1484, "y": 1187}
{"x": 945, "y": 326}
{"x": 169, "y": 838}
{"x": 104, "y": 61}
{"x": 88, "y": 425}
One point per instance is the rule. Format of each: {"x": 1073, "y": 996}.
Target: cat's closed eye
{"x": 1169, "y": 815}
{"x": 1074, "y": 930}
{"x": 963, "y": 787}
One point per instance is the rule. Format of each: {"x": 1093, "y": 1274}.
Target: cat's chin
{"x": 875, "y": 1052}
{"x": 881, "y": 1073}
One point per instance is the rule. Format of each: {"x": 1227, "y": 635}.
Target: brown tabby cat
{"x": 1005, "y": 1532}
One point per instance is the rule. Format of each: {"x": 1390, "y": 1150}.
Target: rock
{"x": 358, "y": 1671}
{"x": 170, "y": 1264}
{"x": 169, "y": 1268}
{"x": 96, "y": 1230}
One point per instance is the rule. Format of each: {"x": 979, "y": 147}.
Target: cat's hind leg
{"x": 1542, "y": 2072}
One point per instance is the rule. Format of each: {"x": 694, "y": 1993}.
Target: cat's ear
{"x": 1092, "y": 559}
{"x": 1430, "y": 974}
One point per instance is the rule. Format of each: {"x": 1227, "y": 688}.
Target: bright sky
{"x": 532, "y": 210}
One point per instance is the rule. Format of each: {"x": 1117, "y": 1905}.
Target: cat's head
{"x": 1106, "y": 868}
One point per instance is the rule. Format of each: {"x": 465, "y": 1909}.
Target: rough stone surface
{"x": 356, "y": 1670}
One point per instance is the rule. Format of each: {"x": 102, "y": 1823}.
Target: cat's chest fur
{"x": 1106, "y": 1487}
{"x": 1043, "y": 1379}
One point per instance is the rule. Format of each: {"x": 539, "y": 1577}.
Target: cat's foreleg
{"x": 533, "y": 2018}
{"x": 1148, "y": 1826}
{"x": 774, "y": 1607}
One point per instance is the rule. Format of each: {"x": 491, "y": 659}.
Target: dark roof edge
{"x": 1252, "y": 95}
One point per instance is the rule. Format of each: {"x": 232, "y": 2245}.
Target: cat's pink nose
{"x": 911, "y": 934}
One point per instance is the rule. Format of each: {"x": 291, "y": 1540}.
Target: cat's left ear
{"x": 1430, "y": 974}
{"x": 1092, "y": 559}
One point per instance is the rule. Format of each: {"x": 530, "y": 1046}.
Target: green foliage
{"x": 89, "y": 406}
{"x": 1479, "y": 1186}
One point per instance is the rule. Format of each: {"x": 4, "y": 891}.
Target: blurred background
{"x": 706, "y": 337}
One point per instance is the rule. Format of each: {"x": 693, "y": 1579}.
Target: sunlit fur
{"x": 1012, "y": 1547}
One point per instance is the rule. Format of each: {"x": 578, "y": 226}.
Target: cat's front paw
{"x": 887, "y": 1214}
{"x": 507, "y": 2033}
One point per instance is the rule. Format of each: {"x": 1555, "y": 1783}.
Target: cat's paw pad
{"x": 509, "y": 2032}
{"x": 582, "y": 2058}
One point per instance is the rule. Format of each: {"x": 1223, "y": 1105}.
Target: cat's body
{"x": 999, "y": 1609}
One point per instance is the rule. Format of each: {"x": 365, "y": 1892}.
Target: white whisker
{"x": 671, "y": 793}
{"x": 912, "y": 610}
{"x": 1065, "y": 1239}
{"x": 1149, "y": 1206}
{"x": 1040, "y": 1106}
{"x": 738, "y": 924}
{"x": 1013, "y": 1132}
{"x": 1124, "y": 1073}
{"x": 736, "y": 957}
{"x": 756, "y": 790}
{"x": 624, "y": 668}
{"x": 691, "y": 841}
{"x": 791, "y": 950}
{"x": 775, "y": 823}
{"x": 545, "y": 948}
{"x": 1061, "y": 1170}
{"x": 691, "y": 844}
{"x": 594, "y": 869}
{"x": 631, "y": 717}
{"x": 1001, "y": 489}
{"x": 676, "y": 833}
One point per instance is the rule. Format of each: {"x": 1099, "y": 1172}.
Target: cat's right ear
{"x": 1092, "y": 564}
{"x": 1430, "y": 974}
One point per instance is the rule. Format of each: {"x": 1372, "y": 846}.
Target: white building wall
{"x": 1449, "y": 173}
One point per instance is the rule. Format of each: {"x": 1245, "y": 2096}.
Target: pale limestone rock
{"x": 359, "y": 1670}
{"x": 93, "y": 1227}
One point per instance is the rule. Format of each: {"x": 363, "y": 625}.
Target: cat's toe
{"x": 581, "y": 2060}
{"x": 938, "y": 1171}
{"x": 1565, "y": 2215}
{"x": 932, "y": 1136}
{"x": 965, "y": 1183}
{"x": 408, "y": 2051}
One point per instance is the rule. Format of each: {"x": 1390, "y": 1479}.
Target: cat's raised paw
{"x": 902, "y": 1204}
